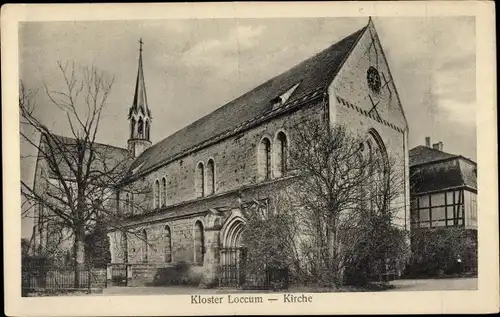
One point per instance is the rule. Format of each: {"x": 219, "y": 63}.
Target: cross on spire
{"x": 140, "y": 44}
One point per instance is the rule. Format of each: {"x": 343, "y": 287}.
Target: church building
{"x": 182, "y": 198}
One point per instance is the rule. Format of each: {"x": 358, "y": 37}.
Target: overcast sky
{"x": 192, "y": 67}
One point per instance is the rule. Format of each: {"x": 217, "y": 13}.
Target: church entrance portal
{"x": 232, "y": 254}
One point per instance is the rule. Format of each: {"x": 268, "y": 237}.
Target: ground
{"x": 399, "y": 285}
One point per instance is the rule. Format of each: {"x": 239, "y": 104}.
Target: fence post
{"x": 88, "y": 278}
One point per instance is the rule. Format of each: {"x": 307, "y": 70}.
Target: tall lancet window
{"x": 132, "y": 128}
{"x": 281, "y": 154}
{"x": 156, "y": 194}
{"x": 264, "y": 153}
{"x": 140, "y": 129}
{"x": 210, "y": 177}
{"x": 199, "y": 241}
{"x": 147, "y": 129}
{"x": 200, "y": 180}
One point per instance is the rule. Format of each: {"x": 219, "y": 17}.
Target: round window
{"x": 373, "y": 79}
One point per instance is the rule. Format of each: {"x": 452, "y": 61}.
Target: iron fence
{"x": 44, "y": 277}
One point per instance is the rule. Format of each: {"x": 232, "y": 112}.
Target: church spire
{"x": 139, "y": 114}
{"x": 140, "y": 99}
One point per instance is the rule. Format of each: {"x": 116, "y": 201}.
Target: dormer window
{"x": 283, "y": 98}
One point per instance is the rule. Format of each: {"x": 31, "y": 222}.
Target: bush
{"x": 435, "y": 252}
{"x": 180, "y": 273}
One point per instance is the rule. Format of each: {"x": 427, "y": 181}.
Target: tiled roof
{"x": 444, "y": 171}
{"x": 423, "y": 154}
{"x": 109, "y": 158}
{"x": 313, "y": 74}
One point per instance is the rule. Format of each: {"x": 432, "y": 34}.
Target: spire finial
{"x": 140, "y": 44}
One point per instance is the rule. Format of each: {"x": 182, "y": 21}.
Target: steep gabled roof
{"x": 423, "y": 154}
{"x": 313, "y": 74}
{"x": 63, "y": 149}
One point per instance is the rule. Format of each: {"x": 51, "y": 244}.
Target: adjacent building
{"x": 443, "y": 188}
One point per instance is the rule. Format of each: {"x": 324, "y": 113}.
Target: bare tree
{"x": 76, "y": 177}
{"x": 343, "y": 202}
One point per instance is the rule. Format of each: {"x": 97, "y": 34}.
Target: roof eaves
{"x": 292, "y": 104}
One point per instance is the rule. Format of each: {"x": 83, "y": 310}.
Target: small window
{"x": 132, "y": 128}
{"x": 140, "y": 129}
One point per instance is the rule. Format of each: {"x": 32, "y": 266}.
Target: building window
{"x": 445, "y": 209}
{"x": 127, "y": 203}
{"x": 199, "y": 241}
{"x": 210, "y": 177}
{"x": 163, "y": 191}
{"x": 156, "y": 194}
{"x": 200, "y": 180}
{"x": 281, "y": 154}
{"x": 147, "y": 130}
{"x": 264, "y": 159}
{"x": 132, "y": 128}
{"x": 140, "y": 129}
{"x": 144, "y": 249}
{"x": 168, "y": 244}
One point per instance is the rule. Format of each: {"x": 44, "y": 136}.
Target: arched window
{"x": 132, "y": 128}
{"x": 156, "y": 194}
{"x": 264, "y": 159}
{"x": 163, "y": 191}
{"x": 147, "y": 129}
{"x": 200, "y": 180}
{"x": 168, "y": 244}
{"x": 144, "y": 249}
{"x": 210, "y": 177}
{"x": 378, "y": 171}
{"x": 140, "y": 129}
{"x": 199, "y": 241}
{"x": 281, "y": 154}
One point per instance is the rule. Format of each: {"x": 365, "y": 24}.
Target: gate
{"x": 232, "y": 267}
{"x": 118, "y": 274}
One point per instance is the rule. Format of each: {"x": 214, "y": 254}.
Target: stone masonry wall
{"x": 351, "y": 99}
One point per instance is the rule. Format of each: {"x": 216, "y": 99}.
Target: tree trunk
{"x": 332, "y": 252}
{"x": 79, "y": 254}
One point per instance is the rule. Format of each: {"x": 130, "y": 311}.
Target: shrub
{"x": 436, "y": 252}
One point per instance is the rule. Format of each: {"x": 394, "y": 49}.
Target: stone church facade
{"x": 183, "y": 197}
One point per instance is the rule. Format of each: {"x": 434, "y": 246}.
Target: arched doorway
{"x": 232, "y": 252}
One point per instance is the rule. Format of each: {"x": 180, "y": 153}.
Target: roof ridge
{"x": 97, "y": 143}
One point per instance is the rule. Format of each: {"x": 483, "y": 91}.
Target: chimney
{"x": 438, "y": 146}
{"x": 428, "y": 141}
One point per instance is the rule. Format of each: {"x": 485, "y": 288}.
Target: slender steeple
{"x": 139, "y": 114}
